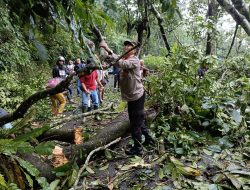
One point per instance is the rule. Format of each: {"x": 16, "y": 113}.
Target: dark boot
{"x": 97, "y": 117}
{"x": 149, "y": 141}
{"x": 84, "y": 109}
{"x": 89, "y": 109}
{"x": 134, "y": 151}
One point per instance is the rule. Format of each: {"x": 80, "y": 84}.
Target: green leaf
{"x": 213, "y": 187}
{"x": 2, "y": 181}
{"x": 33, "y": 134}
{"x": 45, "y": 148}
{"x": 96, "y": 182}
{"x": 240, "y": 172}
{"x": 43, "y": 183}
{"x": 121, "y": 107}
{"x": 161, "y": 173}
{"x": 179, "y": 151}
{"x": 108, "y": 155}
{"x": 29, "y": 179}
{"x": 9, "y": 146}
{"x": 214, "y": 148}
{"x": 104, "y": 167}
{"x": 27, "y": 166}
{"x": 237, "y": 183}
{"x": 54, "y": 184}
{"x": 73, "y": 177}
{"x": 13, "y": 186}
{"x": 64, "y": 169}
{"x": 207, "y": 152}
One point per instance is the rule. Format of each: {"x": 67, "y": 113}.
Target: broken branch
{"x": 88, "y": 158}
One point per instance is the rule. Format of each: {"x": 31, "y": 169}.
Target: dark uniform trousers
{"x": 136, "y": 118}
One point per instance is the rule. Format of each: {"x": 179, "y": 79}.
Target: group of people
{"x": 90, "y": 87}
{"x": 128, "y": 73}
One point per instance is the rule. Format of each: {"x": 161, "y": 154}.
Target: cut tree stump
{"x": 63, "y": 134}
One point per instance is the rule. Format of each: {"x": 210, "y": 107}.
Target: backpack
{"x": 51, "y": 83}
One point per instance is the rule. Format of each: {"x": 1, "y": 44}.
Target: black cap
{"x": 129, "y": 42}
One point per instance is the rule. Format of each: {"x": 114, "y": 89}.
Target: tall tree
{"x": 212, "y": 17}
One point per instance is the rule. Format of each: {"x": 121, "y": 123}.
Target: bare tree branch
{"x": 88, "y": 158}
{"x": 239, "y": 18}
{"x": 26, "y": 104}
{"x": 235, "y": 32}
{"x": 241, "y": 7}
{"x": 163, "y": 33}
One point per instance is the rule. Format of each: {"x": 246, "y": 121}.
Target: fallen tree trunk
{"x": 64, "y": 134}
{"x": 67, "y": 134}
{"x": 74, "y": 117}
{"x": 119, "y": 127}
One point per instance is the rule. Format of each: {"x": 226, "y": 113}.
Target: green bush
{"x": 216, "y": 103}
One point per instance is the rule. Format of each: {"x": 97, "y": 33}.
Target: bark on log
{"x": 44, "y": 167}
{"x": 118, "y": 128}
{"x": 65, "y": 135}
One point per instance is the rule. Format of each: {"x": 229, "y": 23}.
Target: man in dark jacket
{"x": 60, "y": 71}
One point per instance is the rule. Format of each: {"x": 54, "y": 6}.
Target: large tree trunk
{"x": 212, "y": 15}
{"x": 239, "y": 18}
{"x": 142, "y": 24}
{"x": 119, "y": 127}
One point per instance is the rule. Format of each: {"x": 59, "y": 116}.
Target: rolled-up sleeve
{"x": 127, "y": 64}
